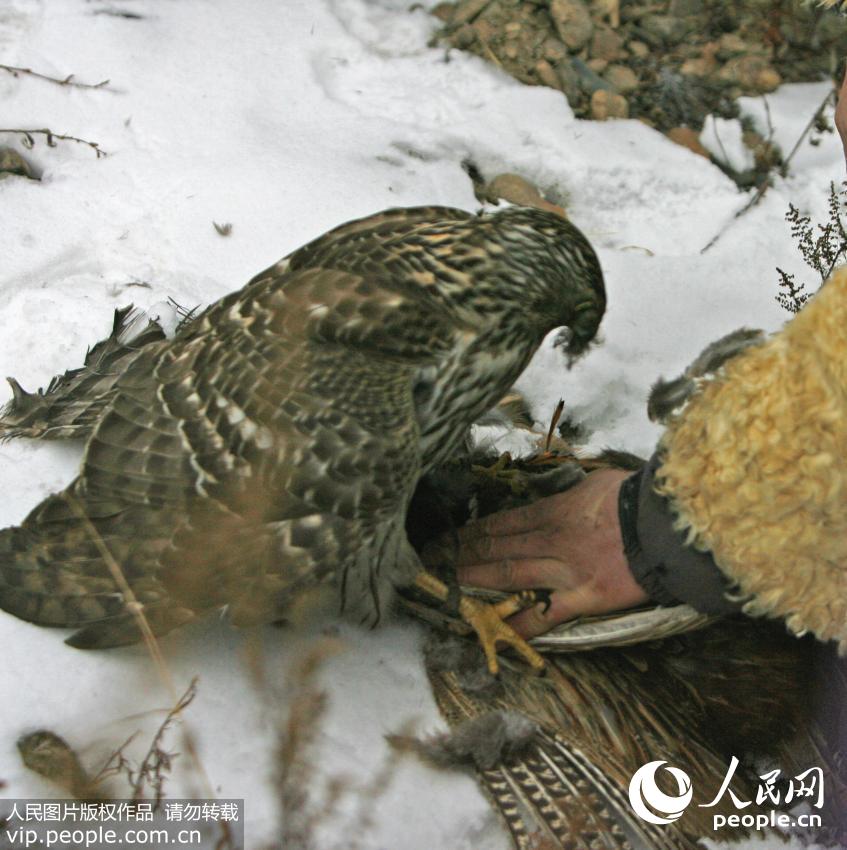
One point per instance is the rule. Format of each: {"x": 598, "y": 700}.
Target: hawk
{"x": 270, "y": 450}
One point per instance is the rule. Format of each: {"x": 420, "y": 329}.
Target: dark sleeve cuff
{"x": 670, "y": 571}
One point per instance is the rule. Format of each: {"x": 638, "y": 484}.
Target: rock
{"x": 484, "y": 30}
{"x": 572, "y": 21}
{"x": 685, "y": 8}
{"x": 665, "y": 28}
{"x": 638, "y": 49}
{"x": 608, "y": 104}
{"x": 443, "y": 11}
{"x": 589, "y": 81}
{"x": 466, "y": 11}
{"x": 517, "y": 190}
{"x": 554, "y": 51}
{"x": 547, "y": 76}
{"x": 688, "y": 138}
{"x": 753, "y": 74}
{"x": 653, "y": 42}
{"x": 701, "y": 66}
{"x": 634, "y": 12}
{"x": 622, "y": 78}
{"x": 605, "y": 44}
{"x": 464, "y": 37}
{"x": 766, "y": 154}
{"x": 769, "y": 79}
{"x": 569, "y": 81}
{"x": 704, "y": 62}
{"x": 686, "y": 51}
{"x": 731, "y": 44}
{"x": 610, "y": 9}
{"x": 532, "y": 39}
{"x": 830, "y": 28}
{"x": 675, "y": 61}
{"x": 11, "y": 162}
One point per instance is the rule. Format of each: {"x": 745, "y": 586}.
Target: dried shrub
{"x": 822, "y": 246}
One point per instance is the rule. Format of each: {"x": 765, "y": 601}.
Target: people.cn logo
{"x": 647, "y": 799}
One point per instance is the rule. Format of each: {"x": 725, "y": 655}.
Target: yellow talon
{"x": 486, "y": 620}
{"x": 514, "y": 603}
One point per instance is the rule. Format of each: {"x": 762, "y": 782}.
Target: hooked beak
{"x": 575, "y": 338}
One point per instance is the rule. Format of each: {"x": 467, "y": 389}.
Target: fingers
{"x": 514, "y": 574}
{"x": 484, "y": 549}
{"x": 514, "y": 521}
{"x": 581, "y": 600}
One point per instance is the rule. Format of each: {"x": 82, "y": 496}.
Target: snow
{"x": 285, "y": 120}
{"x": 723, "y": 139}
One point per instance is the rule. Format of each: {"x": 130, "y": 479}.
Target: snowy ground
{"x": 285, "y": 119}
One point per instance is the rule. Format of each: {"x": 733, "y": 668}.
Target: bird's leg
{"x": 487, "y": 620}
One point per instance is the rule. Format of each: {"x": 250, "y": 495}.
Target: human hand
{"x": 570, "y": 543}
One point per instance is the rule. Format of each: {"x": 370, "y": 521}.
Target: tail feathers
{"x": 566, "y": 789}
{"x": 53, "y": 594}
{"x": 126, "y": 630}
{"x": 54, "y": 574}
{"x": 549, "y": 792}
{"x": 74, "y": 401}
{"x": 59, "y": 596}
{"x": 60, "y": 568}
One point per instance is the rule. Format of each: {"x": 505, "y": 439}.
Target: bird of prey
{"x": 269, "y": 451}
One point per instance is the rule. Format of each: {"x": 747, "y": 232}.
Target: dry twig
{"x": 67, "y": 81}
{"x": 307, "y": 800}
{"x": 116, "y": 764}
{"x": 157, "y": 761}
{"x": 297, "y": 737}
{"x": 29, "y": 140}
{"x": 760, "y": 192}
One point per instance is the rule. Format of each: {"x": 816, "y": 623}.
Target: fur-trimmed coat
{"x": 755, "y": 468}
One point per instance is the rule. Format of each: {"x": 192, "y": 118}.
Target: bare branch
{"x": 51, "y": 137}
{"x": 760, "y": 192}
{"x": 769, "y": 118}
{"x": 158, "y": 761}
{"x": 116, "y": 764}
{"x": 67, "y": 81}
{"x": 830, "y": 97}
